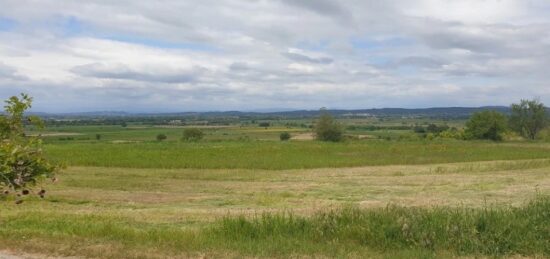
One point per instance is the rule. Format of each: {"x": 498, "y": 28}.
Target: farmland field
{"x": 241, "y": 192}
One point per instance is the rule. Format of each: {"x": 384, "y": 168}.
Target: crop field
{"x": 241, "y": 192}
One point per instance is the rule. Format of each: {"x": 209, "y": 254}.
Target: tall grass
{"x": 392, "y": 231}
{"x": 292, "y": 155}
{"x": 488, "y": 231}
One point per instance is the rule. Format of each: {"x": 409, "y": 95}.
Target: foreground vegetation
{"x": 158, "y": 213}
{"x": 487, "y": 231}
{"x": 391, "y": 231}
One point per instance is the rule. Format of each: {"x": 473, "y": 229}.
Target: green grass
{"x": 287, "y": 155}
{"x": 87, "y": 134}
{"x": 345, "y": 232}
{"x": 487, "y": 231}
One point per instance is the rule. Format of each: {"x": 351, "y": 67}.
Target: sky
{"x": 212, "y": 55}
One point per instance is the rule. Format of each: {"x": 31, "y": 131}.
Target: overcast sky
{"x": 197, "y": 55}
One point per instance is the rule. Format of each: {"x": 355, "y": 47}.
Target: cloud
{"x": 322, "y": 7}
{"x": 225, "y": 54}
{"x": 294, "y": 55}
{"x": 8, "y": 72}
{"x": 119, "y": 71}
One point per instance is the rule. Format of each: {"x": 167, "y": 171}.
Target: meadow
{"x": 241, "y": 192}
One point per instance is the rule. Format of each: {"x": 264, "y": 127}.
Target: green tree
{"x": 327, "y": 129}
{"x": 22, "y": 163}
{"x": 192, "y": 134}
{"x": 528, "y": 118}
{"x": 161, "y": 137}
{"x": 284, "y": 136}
{"x": 486, "y": 125}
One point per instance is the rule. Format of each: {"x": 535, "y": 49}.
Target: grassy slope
{"x": 281, "y": 155}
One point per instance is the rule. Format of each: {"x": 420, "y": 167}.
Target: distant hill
{"x": 437, "y": 112}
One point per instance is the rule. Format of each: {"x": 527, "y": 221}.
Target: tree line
{"x": 528, "y": 118}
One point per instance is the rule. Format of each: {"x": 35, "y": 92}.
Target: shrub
{"x": 264, "y": 124}
{"x": 327, "y": 129}
{"x": 284, "y": 136}
{"x": 161, "y": 137}
{"x": 419, "y": 129}
{"x": 486, "y": 125}
{"x": 22, "y": 163}
{"x": 452, "y": 133}
{"x": 97, "y": 136}
{"x": 544, "y": 135}
{"x": 433, "y": 128}
{"x": 192, "y": 134}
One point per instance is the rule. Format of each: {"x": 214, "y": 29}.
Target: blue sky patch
{"x": 7, "y": 24}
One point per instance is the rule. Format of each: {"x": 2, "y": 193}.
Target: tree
{"x": 486, "y": 125}
{"x": 161, "y": 137}
{"x": 22, "y": 163}
{"x": 327, "y": 129}
{"x": 528, "y": 118}
{"x": 192, "y": 134}
{"x": 284, "y": 136}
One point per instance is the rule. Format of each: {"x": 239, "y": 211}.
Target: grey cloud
{"x": 303, "y": 58}
{"x": 99, "y": 70}
{"x": 416, "y": 62}
{"x": 323, "y": 7}
{"x": 421, "y": 62}
{"x": 239, "y": 66}
{"x": 9, "y": 72}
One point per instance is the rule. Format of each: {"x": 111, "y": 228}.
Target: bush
{"x": 284, "y": 136}
{"x": 97, "y": 136}
{"x": 433, "y": 128}
{"x": 486, "y": 125}
{"x": 161, "y": 137}
{"x": 22, "y": 164}
{"x": 544, "y": 135}
{"x": 452, "y": 133}
{"x": 327, "y": 129}
{"x": 192, "y": 134}
{"x": 264, "y": 124}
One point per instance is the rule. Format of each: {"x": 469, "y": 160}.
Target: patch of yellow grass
{"x": 191, "y": 196}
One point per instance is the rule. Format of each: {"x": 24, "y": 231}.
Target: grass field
{"x": 287, "y": 155}
{"x": 166, "y": 212}
{"x": 128, "y": 196}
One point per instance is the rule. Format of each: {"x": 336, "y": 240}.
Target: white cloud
{"x": 232, "y": 54}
